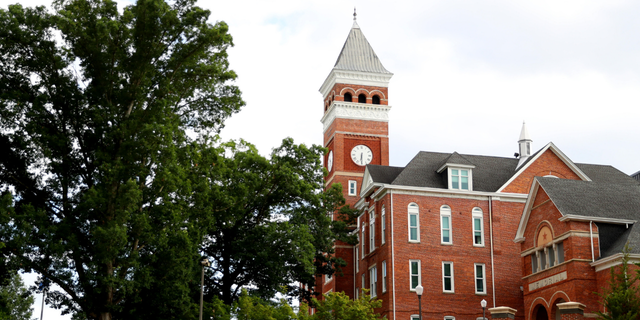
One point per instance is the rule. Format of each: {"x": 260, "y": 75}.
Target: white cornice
{"x": 454, "y": 165}
{"x": 354, "y": 77}
{"x": 427, "y": 191}
{"x": 614, "y": 260}
{"x": 354, "y": 110}
{"x": 572, "y": 217}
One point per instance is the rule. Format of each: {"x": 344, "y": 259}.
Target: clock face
{"x": 330, "y": 161}
{"x": 361, "y": 155}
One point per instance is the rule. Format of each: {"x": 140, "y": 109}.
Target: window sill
{"x": 481, "y": 294}
{"x": 479, "y": 245}
{"x": 448, "y": 292}
{"x": 446, "y": 243}
{"x": 414, "y": 241}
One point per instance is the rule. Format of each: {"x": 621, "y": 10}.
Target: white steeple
{"x": 525, "y": 144}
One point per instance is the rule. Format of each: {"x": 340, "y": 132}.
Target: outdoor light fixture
{"x": 483, "y": 304}
{"x": 419, "y": 290}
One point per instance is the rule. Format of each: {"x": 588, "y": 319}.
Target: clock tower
{"x": 356, "y": 131}
{"x": 356, "y": 114}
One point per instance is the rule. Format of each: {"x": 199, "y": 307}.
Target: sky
{"x": 467, "y": 74}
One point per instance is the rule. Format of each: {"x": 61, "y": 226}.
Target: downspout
{"x": 493, "y": 275}
{"x": 393, "y": 261}
{"x": 591, "y": 239}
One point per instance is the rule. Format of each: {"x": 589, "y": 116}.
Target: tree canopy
{"x": 95, "y": 102}
{"x": 621, "y": 299}
{"x": 15, "y": 300}
{"x": 269, "y": 218}
{"x": 104, "y": 193}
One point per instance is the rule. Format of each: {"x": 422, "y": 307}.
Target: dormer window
{"x": 459, "y": 179}
{"x": 458, "y": 172}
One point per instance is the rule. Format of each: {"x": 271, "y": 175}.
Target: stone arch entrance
{"x": 556, "y": 311}
{"x": 540, "y": 313}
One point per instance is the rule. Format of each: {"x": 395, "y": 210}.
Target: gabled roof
{"x": 357, "y": 54}
{"x": 594, "y": 199}
{"x": 535, "y": 156}
{"x": 613, "y": 202}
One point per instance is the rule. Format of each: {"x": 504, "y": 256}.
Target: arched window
{"x": 362, "y": 98}
{"x": 414, "y": 223}
{"x": 478, "y": 234}
{"x": 375, "y": 99}
{"x": 445, "y": 224}
{"x": 347, "y": 97}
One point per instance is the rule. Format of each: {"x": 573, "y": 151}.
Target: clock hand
{"x": 361, "y": 157}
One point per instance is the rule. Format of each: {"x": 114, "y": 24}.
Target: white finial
{"x": 354, "y": 14}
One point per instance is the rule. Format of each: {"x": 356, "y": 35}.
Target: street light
{"x": 419, "y": 293}
{"x": 483, "y": 304}
{"x": 205, "y": 263}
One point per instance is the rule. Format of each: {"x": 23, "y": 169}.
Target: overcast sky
{"x": 466, "y": 73}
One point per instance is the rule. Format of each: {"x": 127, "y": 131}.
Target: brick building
{"x": 447, "y": 221}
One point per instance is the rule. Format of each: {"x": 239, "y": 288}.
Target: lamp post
{"x": 205, "y": 263}
{"x": 483, "y": 304}
{"x": 419, "y": 293}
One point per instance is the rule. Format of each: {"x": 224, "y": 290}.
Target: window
{"x": 414, "y": 223}
{"x": 372, "y": 231}
{"x": 480, "y": 278}
{"x": 447, "y": 276}
{"x": 478, "y": 234}
{"x": 449, "y": 318}
{"x": 415, "y": 317}
{"x": 363, "y": 283}
{"x": 459, "y": 179}
{"x": 383, "y": 225}
{"x": 384, "y": 276}
{"x": 353, "y": 187}
{"x": 373, "y": 281}
{"x": 375, "y": 99}
{"x": 445, "y": 224}
{"x": 547, "y": 257}
{"x": 362, "y": 98}
{"x": 414, "y": 269}
{"x": 347, "y": 97}
{"x": 327, "y": 278}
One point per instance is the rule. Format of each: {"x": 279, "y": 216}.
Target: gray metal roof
{"x": 357, "y": 54}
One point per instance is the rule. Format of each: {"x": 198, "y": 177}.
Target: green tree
{"x": 270, "y": 218}
{"x": 338, "y": 306}
{"x": 622, "y": 298}
{"x": 15, "y": 300}
{"x": 94, "y": 105}
{"x": 253, "y": 308}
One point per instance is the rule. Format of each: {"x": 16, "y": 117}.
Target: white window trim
{"x": 446, "y": 214}
{"x": 417, "y": 213}
{"x": 477, "y": 214}
{"x": 449, "y": 318}
{"x": 373, "y": 281}
{"x": 419, "y": 273}
{"x": 453, "y": 287}
{"x": 484, "y": 278}
{"x": 384, "y": 276}
{"x": 415, "y": 317}
{"x": 372, "y": 231}
{"x": 470, "y": 174}
{"x": 383, "y": 225}
{"x": 353, "y": 183}
{"x": 327, "y": 278}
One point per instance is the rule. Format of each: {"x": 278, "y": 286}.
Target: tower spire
{"x": 524, "y": 144}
